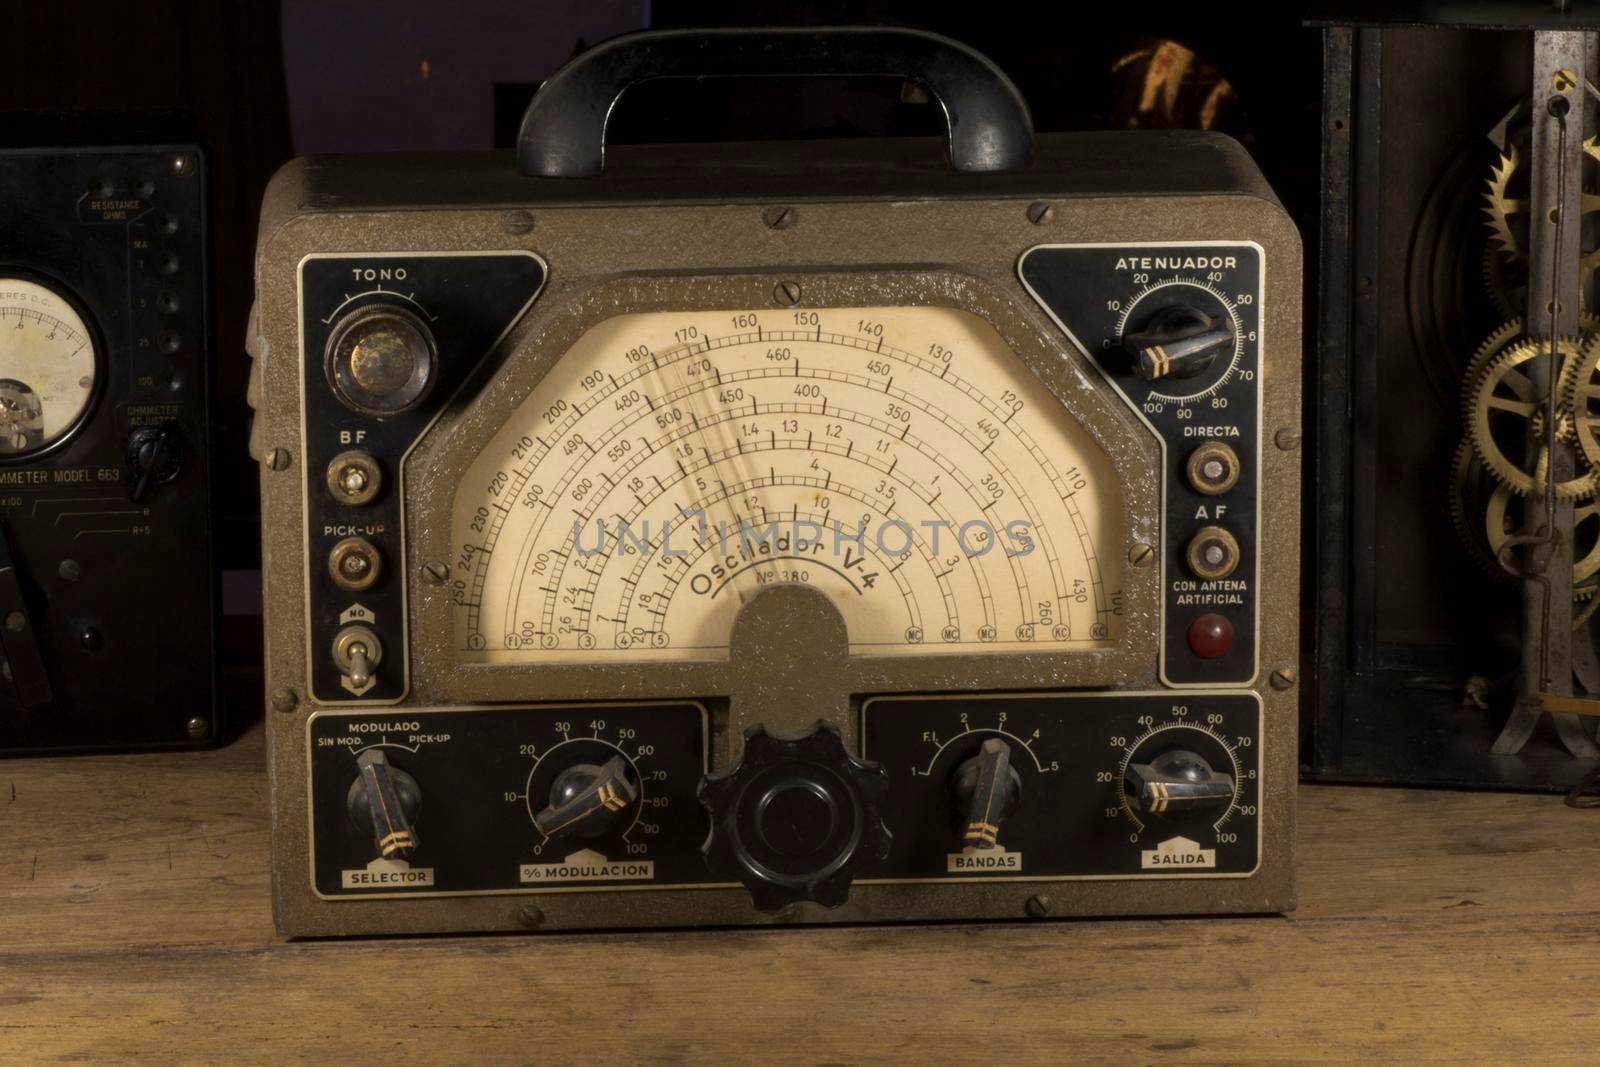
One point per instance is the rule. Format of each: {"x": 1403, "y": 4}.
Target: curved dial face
{"x": 47, "y": 367}
{"x": 902, "y": 460}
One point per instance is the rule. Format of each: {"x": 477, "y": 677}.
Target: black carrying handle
{"x": 563, "y": 132}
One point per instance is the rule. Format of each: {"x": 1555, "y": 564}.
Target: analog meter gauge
{"x": 47, "y": 367}
{"x": 901, "y": 460}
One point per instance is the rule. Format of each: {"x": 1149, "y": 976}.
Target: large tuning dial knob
{"x": 1178, "y": 342}
{"x": 795, "y": 817}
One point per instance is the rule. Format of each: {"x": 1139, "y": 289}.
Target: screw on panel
{"x": 779, "y": 218}
{"x": 278, "y": 459}
{"x": 197, "y": 727}
{"x": 1040, "y": 213}
{"x": 1286, "y": 439}
{"x": 1038, "y": 907}
{"x": 787, "y": 293}
{"x": 517, "y": 222}
{"x": 284, "y": 700}
{"x": 70, "y": 570}
{"x": 1141, "y": 555}
{"x": 435, "y": 572}
{"x": 529, "y": 916}
{"x": 1282, "y": 679}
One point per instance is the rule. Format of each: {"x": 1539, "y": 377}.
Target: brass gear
{"x": 1504, "y": 336}
{"x": 1499, "y": 526}
{"x": 1566, "y": 427}
{"x": 1505, "y": 279}
{"x": 1480, "y": 509}
{"x": 1504, "y": 390}
{"x": 1583, "y": 400}
{"x": 1503, "y": 210}
{"x": 1500, "y": 207}
{"x": 1470, "y": 488}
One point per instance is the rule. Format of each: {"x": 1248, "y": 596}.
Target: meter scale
{"x": 902, "y": 460}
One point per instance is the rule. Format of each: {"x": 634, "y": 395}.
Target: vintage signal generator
{"x": 782, "y": 532}
{"x": 107, "y": 580}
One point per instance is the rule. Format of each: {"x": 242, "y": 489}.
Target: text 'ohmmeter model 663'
{"x": 721, "y": 534}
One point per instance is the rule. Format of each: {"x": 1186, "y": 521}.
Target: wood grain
{"x": 1433, "y": 927}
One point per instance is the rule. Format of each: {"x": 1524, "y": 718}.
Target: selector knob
{"x": 1177, "y": 785}
{"x": 384, "y": 800}
{"x": 1178, "y": 342}
{"x": 585, "y": 800}
{"x": 988, "y": 787}
{"x": 795, "y": 817}
{"x": 155, "y": 454}
{"x": 381, "y": 359}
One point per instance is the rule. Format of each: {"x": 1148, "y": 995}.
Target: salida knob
{"x": 1178, "y": 785}
{"x": 795, "y": 817}
{"x": 1178, "y": 342}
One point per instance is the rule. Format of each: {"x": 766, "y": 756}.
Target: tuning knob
{"x": 1178, "y": 342}
{"x": 384, "y": 800}
{"x": 1177, "y": 785}
{"x": 585, "y": 800}
{"x": 795, "y": 817}
{"x": 988, "y": 787}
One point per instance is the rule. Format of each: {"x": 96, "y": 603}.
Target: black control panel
{"x": 108, "y": 598}
{"x": 508, "y": 799}
{"x": 386, "y": 340}
{"x": 1176, "y": 329}
{"x": 1065, "y": 785}
{"x": 563, "y": 798}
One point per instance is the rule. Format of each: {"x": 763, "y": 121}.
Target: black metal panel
{"x": 119, "y": 585}
{"x": 469, "y": 301}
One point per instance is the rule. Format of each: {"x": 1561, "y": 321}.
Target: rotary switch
{"x": 1178, "y": 785}
{"x": 988, "y": 787}
{"x": 795, "y": 817}
{"x": 585, "y": 800}
{"x": 1178, "y": 342}
{"x": 384, "y": 800}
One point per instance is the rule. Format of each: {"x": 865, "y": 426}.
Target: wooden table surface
{"x": 1433, "y": 927}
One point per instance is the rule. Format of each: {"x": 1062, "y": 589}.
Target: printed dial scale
{"x": 902, "y": 460}
{"x": 48, "y": 367}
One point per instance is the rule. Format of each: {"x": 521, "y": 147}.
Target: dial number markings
{"x": 902, "y": 460}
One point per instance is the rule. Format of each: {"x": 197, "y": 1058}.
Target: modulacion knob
{"x": 795, "y": 817}
{"x": 384, "y": 799}
{"x": 1177, "y": 785}
{"x": 1178, "y": 342}
{"x": 586, "y": 800}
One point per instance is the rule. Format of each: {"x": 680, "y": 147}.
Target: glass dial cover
{"x": 903, "y": 460}
{"x": 47, "y": 367}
